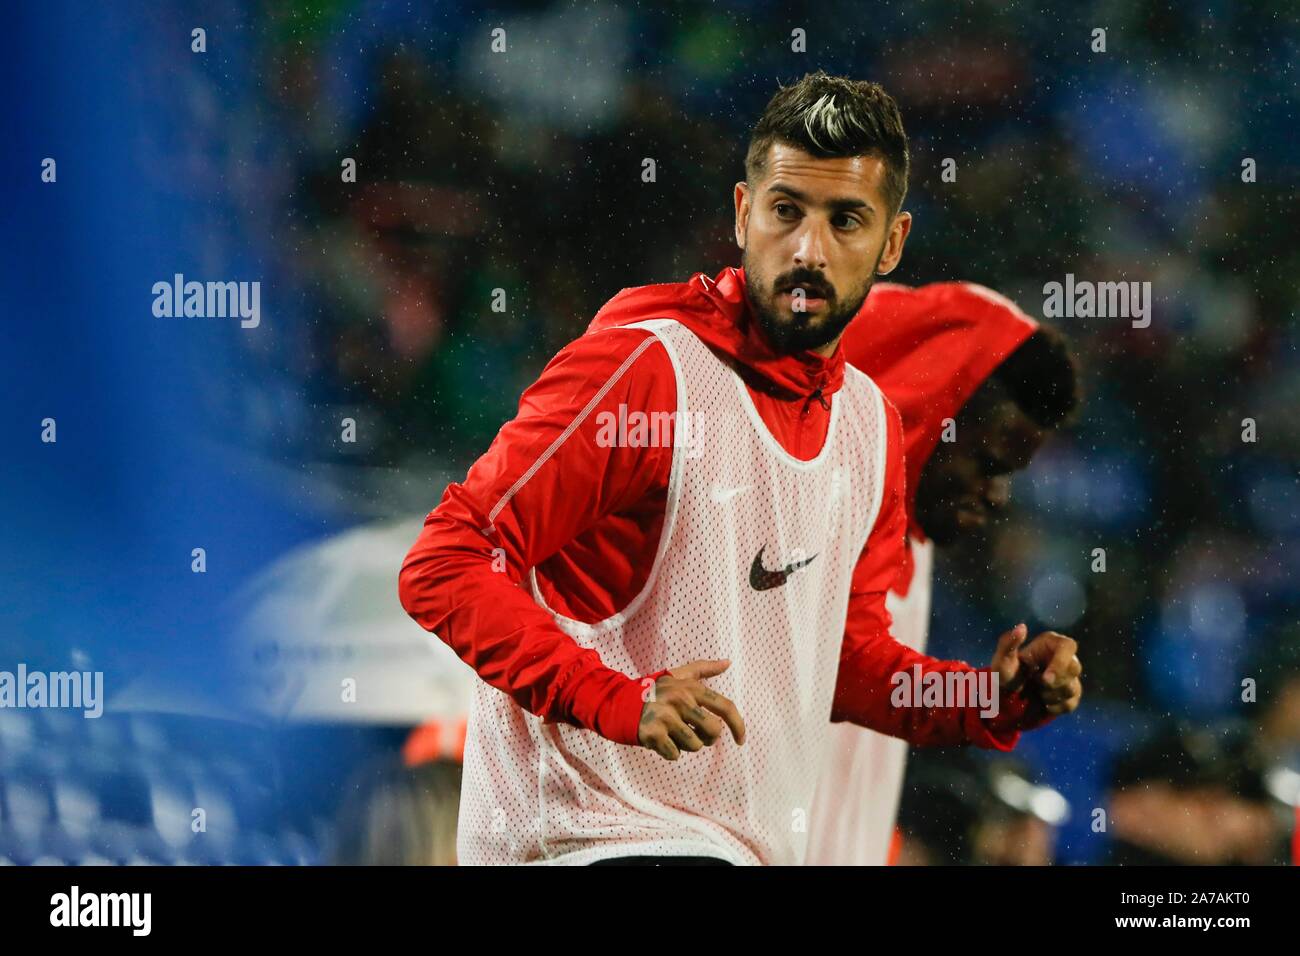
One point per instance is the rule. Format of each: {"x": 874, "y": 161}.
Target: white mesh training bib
{"x": 754, "y": 565}
{"x": 852, "y": 822}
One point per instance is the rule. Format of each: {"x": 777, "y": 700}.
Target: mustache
{"x": 813, "y": 287}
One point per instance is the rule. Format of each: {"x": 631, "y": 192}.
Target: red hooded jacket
{"x": 928, "y": 349}
{"x": 548, "y": 495}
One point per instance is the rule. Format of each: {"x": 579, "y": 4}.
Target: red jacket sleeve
{"x": 870, "y": 656}
{"x": 545, "y": 479}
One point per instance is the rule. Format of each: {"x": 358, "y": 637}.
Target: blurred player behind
{"x": 951, "y": 353}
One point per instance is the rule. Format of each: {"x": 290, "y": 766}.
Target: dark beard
{"x": 793, "y": 332}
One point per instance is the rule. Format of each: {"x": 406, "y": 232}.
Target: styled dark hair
{"x": 833, "y": 116}
{"x": 1042, "y": 378}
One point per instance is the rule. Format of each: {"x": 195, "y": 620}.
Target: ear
{"x": 742, "y": 212}
{"x": 898, "y": 230}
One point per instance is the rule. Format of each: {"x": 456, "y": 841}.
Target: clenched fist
{"x": 683, "y": 714}
{"x": 1047, "y": 668}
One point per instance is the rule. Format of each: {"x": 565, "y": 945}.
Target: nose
{"x": 998, "y": 491}
{"x": 810, "y": 253}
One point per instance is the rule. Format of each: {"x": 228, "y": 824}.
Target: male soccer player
{"x": 699, "y": 483}
{"x": 965, "y": 364}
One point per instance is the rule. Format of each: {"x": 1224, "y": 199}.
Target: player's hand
{"x": 1047, "y": 668}
{"x": 684, "y": 714}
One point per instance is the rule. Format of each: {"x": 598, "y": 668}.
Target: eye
{"x": 993, "y": 467}
{"x": 785, "y": 210}
{"x": 846, "y": 222}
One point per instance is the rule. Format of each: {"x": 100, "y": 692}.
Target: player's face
{"x": 819, "y": 225}
{"x": 965, "y": 480}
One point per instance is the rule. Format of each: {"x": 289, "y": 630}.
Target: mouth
{"x": 812, "y": 299}
{"x": 971, "y": 516}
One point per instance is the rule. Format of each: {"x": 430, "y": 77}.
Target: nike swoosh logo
{"x": 720, "y": 494}
{"x": 761, "y": 579}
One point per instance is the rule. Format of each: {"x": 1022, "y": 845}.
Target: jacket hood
{"x": 717, "y": 310}
{"x": 929, "y": 348}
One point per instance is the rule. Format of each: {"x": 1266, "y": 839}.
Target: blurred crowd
{"x": 522, "y": 171}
